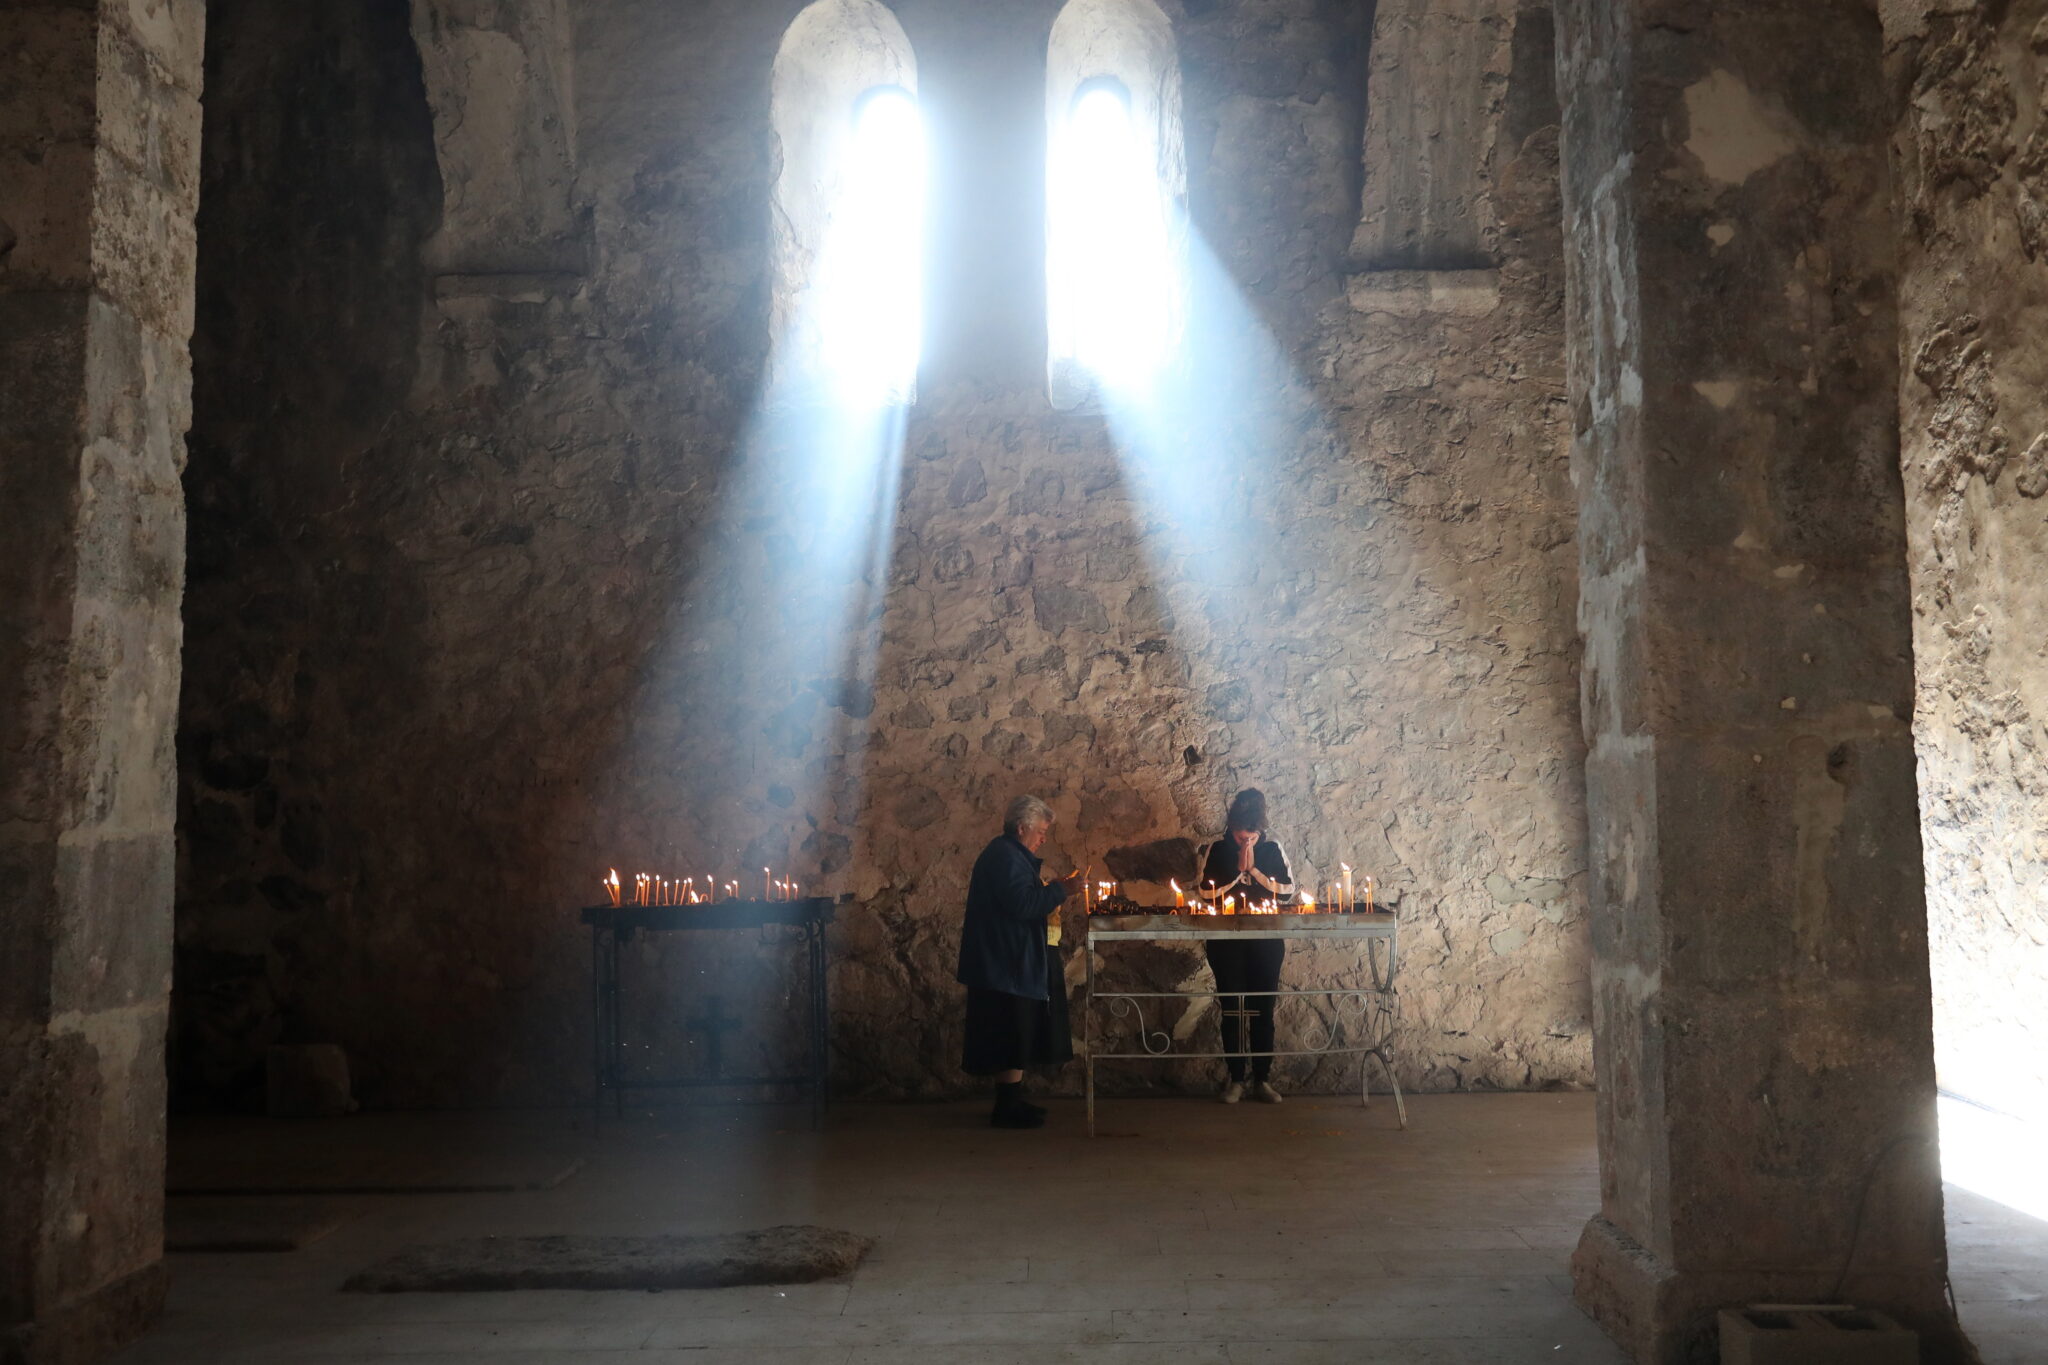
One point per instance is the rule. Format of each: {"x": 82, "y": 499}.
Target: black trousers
{"x": 1247, "y": 964}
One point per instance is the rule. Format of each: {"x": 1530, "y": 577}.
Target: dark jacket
{"x": 1002, "y": 943}
{"x": 1221, "y": 878}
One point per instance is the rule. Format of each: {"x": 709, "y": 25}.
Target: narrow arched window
{"x": 1115, "y": 181}
{"x": 847, "y": 267}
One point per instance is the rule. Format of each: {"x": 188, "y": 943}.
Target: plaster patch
{"x": 1721, "y": 393}
{"x": 1730, "y": 130}
{"x": 1720, "y": 234}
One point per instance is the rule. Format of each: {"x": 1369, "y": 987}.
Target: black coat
{"x": 1002, "y": 942}
{"x": 1219, "y": 871}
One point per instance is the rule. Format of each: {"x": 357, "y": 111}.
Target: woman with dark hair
{"x": 1248, "y": 866}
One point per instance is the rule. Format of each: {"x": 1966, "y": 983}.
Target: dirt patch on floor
{"x": 779, "y": 1255}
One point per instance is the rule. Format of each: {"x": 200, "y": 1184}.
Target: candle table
{"x": 1376, "y": 936}
{"x": 612, "y": 925}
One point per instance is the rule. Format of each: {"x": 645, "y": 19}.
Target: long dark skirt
{"x": 1009, "y": 1032}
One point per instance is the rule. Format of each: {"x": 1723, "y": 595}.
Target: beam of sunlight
{"x": 745, "y": 747}
{"x": 1205, "y": 439}
{"x": 1995, "y": 1155}
{"x": 750, "y": 703}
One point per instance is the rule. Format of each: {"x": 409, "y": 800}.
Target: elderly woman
{"x": 1249, "y": 866}
{"x": 1016, "y": 988}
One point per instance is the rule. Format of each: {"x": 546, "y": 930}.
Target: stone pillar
{"x": 1435, "y": 95}
{"x": 1761, "y": 1014}
{"x": 500, "y": 82}
{"x": 99, "y": 152}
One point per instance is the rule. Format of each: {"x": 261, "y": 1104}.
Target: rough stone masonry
{"x": 99, "y": 178}
{"x": 1971, "y": 146}
{"x": 472, "y": 618}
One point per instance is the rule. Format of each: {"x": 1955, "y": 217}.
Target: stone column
{"x": 99, "y": 143}
{"x": 1435, "y": 95}
{"x": 1763, "y": 1038}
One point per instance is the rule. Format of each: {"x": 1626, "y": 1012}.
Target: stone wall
{"x": 487, "y": 595}
{"x": 99, "y": 160}
{"x": 1972, "y": 152}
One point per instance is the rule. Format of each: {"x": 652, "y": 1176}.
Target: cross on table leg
{"x": 713, "y": 1024}
{"x": 1244, "y": 1016}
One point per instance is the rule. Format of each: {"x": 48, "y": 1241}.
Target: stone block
{"x": 171, "y": 32}
{"x": 1811, "y": 1334}
{"x": 307, "y": 1081}
{"x": 145, "y": 249}
{"x": 1425, "y": 293}
{"x": 112, "y": 939}
{"x": 150, "y": 122}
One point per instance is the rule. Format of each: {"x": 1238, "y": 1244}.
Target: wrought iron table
{"x": 611, "y": 925}
{"x": 1378, "y": 1005}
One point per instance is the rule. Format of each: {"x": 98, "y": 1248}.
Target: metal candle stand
{"x": 611, "y": 925}
{"x": 1378, "y": 1004}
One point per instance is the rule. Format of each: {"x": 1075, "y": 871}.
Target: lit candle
{"x": 1230, "y": 905}
{"x": 1308, "y": 905}
{"x": 1368, "y": 896}
{"x": 767, "y": 893}
{"x": 1345, "y": 905}
{"x": 1179, "y": 901}
{"x": 611, "y": 884}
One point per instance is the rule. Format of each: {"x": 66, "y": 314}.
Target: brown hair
{"x": 1247, "y": 811}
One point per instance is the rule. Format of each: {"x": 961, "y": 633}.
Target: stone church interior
{"x": 1231, "y": 682}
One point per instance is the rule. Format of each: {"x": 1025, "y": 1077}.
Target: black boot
{"x": 1012, "y": 1111}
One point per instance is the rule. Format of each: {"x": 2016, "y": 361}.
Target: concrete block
{"x": 1814, "y": 1334}
{"x": 307, "y": 1082}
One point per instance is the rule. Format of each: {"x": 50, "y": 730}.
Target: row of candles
{"x": 651, "y": 889}
{"x": 1332, "y": 898}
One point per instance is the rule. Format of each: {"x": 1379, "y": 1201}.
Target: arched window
{"x": 847, "y": 302}
{"x": 1116, "y": 179}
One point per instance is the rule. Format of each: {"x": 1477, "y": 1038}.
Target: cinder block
{"x": 307, "y": 1082}
{"x": 1814, "y": 1334}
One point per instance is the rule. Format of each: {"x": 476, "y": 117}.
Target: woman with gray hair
{"x": 1016, "y": 987}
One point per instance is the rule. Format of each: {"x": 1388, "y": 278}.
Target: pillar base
{"x": 1662, "y": 1317}
{"x": 91, "y": 1328}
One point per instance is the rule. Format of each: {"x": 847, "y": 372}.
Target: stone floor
{"x": 1187, "y": 1233}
